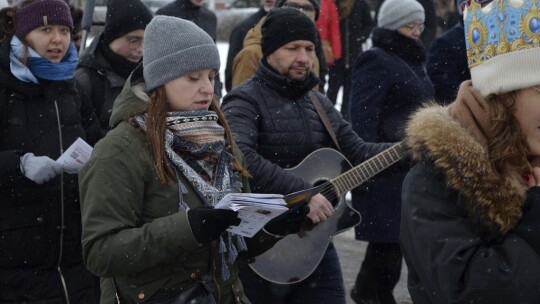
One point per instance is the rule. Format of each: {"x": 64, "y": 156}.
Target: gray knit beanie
{"x": 394, "y": 14}
{"x": 174, "y": 47}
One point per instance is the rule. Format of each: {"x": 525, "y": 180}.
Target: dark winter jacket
{"x": 389, "y": 82}
{"x": 40, "y": 225}
{"x": 236, "y": 42}
{"x": 355, "y": 30}
{"x": 447, "y": 64}
{"x": 448, "y": 200}
{"x": 132, "y": 229}
{"x": 277, "y": 126}
{"x": 200, "y": 15}
{"x": 97, "y": 83}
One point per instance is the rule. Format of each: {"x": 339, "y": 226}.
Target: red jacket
{"x": 328, "y": 26}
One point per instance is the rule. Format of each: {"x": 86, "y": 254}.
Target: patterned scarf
{"x": 195, "y": 145}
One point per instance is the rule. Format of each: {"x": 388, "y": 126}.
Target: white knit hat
{"x": 502, "y": 45}
{"x": 394, "y": 14}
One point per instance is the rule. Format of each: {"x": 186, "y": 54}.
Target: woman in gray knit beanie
{"x": 171, "y": 158}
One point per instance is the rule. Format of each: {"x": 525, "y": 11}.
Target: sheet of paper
{"x": 255, "y": 210}
{"x": 75, "y": 156}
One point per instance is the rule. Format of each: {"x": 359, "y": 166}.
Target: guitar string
{"x": 330, "y": 193}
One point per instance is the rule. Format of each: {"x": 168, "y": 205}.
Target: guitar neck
{"x": 366, "y": 170}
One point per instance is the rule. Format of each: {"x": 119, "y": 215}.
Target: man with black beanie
{"x": 277, "y": 125}
{"x": 245, "y": 62}
{"x": 113, "y": 54}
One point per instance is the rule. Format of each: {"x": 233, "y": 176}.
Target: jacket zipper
{"x": 61, "y": 248}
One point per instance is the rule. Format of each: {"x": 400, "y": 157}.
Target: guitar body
{"x": 296, "y": 256}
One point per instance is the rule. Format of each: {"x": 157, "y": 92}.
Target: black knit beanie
{"x": 124, "y": 16}
{"x": 283, "y": 25}
{"x": 316, "y": 5}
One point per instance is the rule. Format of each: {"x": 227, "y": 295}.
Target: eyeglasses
{"x": 134, "y": 42}
{"x": 415, "y": 26}
{"x": 308, "y": 8}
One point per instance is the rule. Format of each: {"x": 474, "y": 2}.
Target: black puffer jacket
{"x": 277, "y": 126}
{"x": 98, "y": 84}
{"x": 40, "y": 230}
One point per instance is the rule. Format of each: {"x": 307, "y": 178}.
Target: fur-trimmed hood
{"x": 492, "y": 200}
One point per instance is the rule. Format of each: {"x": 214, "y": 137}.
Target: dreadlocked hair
{"x": 156, "y": 127}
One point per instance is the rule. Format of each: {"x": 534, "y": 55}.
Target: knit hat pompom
{"x": 394, "y": 14}
{"x": 316, "y": 5}
{"x": 29, "y": 17}
{"x": 174, "y": 47}
{"x": 124, "y": 16}
{"x": 283, "y": 25}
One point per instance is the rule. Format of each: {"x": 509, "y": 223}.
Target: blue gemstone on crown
{"x": 534, "y": 25}
{"x": 476, "y": 36}
{"x": 500, "y": 27}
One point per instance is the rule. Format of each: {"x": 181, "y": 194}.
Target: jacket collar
{"x": 284, "y": 86}
{"x": 493, "y": 201}
{"x": 406, "y": 48}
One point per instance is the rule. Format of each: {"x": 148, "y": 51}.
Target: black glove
{"x": 289, "y": 222}
{"x": 208, "y": 223}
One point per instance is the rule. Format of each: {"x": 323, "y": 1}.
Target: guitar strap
{"x": 324, "y": 118}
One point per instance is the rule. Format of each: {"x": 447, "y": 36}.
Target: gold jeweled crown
{"x": 500, "y": 27}
{"x": 502, "y": 40}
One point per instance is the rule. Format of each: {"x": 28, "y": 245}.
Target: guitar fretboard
{"x": 361, "y": 173}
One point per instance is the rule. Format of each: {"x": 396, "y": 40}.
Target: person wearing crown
{"x": 470, "y": 228}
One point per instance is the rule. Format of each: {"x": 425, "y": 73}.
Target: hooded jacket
{"x": 133, "y": 231}
{"x": 467, "y": 236}
{"x": 40, "y": 224}
{"x": 97, "y": 83}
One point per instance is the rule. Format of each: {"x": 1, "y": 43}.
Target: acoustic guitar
{"x": 296, "y": 256}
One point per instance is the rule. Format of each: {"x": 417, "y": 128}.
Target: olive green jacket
{"x": 132, "y": 230}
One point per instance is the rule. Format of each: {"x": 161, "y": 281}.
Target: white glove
{"x": 39, "y": 168}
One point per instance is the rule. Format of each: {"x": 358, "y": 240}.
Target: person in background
{"x": 155, "y": 236}
{"x": 76, "y": 15}
{"x": 195, "y": 11}
{"x": 277, "y": 126}
{"x": 355, "y": 25}
{"x": 447, "y": 61}
{"x": 328, "y": 26}
{"x": 471, "y": 204}
{"x": 389, "y": 83}
{"x": 430, "y": 25}
{"x": 41, "y": 115}
{"x": 245, "y": 63}
{"x": 236, "y": 39}
{"x": 112, "y": 56}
